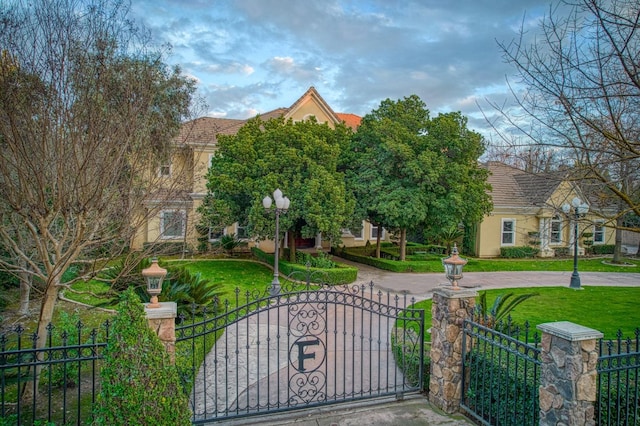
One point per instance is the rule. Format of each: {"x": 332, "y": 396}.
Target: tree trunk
{"x": 46, "y": 315}
{"x": 378, "y": 237}
{"x": 25, "y": 292}
{"x": 403, "y": 244}
{"x": 617, "y": 251}
{"x": 292, "y": 246}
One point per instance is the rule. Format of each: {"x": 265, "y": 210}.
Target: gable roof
{"x": 512, "y": 187}
{"x": 204, "y": 130}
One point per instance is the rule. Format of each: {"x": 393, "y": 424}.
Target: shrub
{"x": 603, "y": 249}
{"x": 65, "y": 374}
{"x": 518, "y": 252}
{"x": 406, "y": 352}
{"x": 139, "y": 384}
{"x": 341, "y": 274}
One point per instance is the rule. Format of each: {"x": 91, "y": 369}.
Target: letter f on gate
{"x": 302, "y": 355}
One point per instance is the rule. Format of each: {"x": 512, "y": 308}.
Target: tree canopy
{"x": 301, "y": 159}
{"x": 408, "y": 170}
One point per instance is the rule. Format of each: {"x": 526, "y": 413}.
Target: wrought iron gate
{"x": 308, "y": 346}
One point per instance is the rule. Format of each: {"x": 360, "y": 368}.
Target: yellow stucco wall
{"x": 489, "y": 238}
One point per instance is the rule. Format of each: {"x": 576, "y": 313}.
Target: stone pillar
{"x": 162, "y": 321}
{"x": 568, "y": 375}
{"x": 448, "y": 311}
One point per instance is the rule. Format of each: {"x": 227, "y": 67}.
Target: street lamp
{"x": 580, "y": 208}
{"x": 282, "y": 205}
{"x": 154, "y": 275}
{"x": 453, "y": 267}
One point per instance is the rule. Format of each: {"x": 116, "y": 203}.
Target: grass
{"x": 246, "y": 276}
{"x": 538, "y": 264}
{"x": 606, "y": 309}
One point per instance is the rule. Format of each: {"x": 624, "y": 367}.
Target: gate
{"x": 308, "y": 346}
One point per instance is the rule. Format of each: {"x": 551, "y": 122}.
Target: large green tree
{"x": 300, "y": 158}
{"x": 87, "y": 110}
{"x": 409, "y": 171}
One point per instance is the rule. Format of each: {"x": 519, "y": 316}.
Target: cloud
{"x": 257, "y": 55}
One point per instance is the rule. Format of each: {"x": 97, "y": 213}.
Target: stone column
{"x": 448, "y": 311}
{"x": 568, "y": 375}
{"x": 162, "y": 321}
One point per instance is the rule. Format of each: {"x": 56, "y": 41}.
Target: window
{"x": 172, "y": 223}
{"x": 374, "y": 232}
{"x": 598, "y": 232}
{"x": 241, "y": 232}
{"x": 508, "y": 232}
{"x": 556, "y": 230}
{"x": 356, "y": 233}
{"x": 164, "y": 170}
{"x": 215, "y": 233}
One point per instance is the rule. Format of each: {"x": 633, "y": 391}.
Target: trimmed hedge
{"x": 518, "y": 252}
{"x": 603, "y": 248}
{"x": 343, "y": 274}
{"x": 353, "y": 254}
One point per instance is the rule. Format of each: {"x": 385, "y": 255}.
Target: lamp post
{"x": 282, "y": 205}
{"x": 154, "y": 275}
{"x": 579, "y": 208}
{"x": 453, "y": 267}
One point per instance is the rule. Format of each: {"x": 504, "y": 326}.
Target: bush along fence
{"x": 568, "y": 376}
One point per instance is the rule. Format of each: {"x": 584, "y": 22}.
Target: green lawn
{"x": 606, "y": 309}
{"x": 584, "y": 264}
{"x": 244, "y": 275}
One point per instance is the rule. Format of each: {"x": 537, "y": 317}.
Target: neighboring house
{"x": 185, "y": 173}
{"x": 527, "y": 211}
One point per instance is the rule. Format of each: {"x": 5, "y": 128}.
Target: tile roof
{"x": 350, "y": 120}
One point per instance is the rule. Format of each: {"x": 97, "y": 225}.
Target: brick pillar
{"x": 568, "y": 375}
{"x": 448, "y": 310}
{"x": 162, "y": 321}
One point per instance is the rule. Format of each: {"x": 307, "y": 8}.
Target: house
{"x": 528, "y": 211}
{"x": 177, "y": 222}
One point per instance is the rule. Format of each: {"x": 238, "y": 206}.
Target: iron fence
{"x": 501, "y": 374}
{"x": 618, "y": 391}
{"x": 56, "y": 382}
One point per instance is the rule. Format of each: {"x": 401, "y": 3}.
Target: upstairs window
{"x": 164, "y": 170}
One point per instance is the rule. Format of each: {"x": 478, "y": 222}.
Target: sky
{"x": 253, "y": 56}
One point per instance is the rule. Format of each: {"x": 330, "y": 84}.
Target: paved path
{"x": 421, "y": 285}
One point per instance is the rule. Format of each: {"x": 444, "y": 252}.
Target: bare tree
{"x": 578, "y": 95}
{"x": 87, "y": 113}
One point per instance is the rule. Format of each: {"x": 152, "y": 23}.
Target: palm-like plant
{"x": 502, "y": 306}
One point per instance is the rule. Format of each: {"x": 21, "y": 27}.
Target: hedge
{"x": 385, "y": 264}
{"x": 603, "y": 248}
{"x": 518, "y": 252}
{"x": 343, "y": 274}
